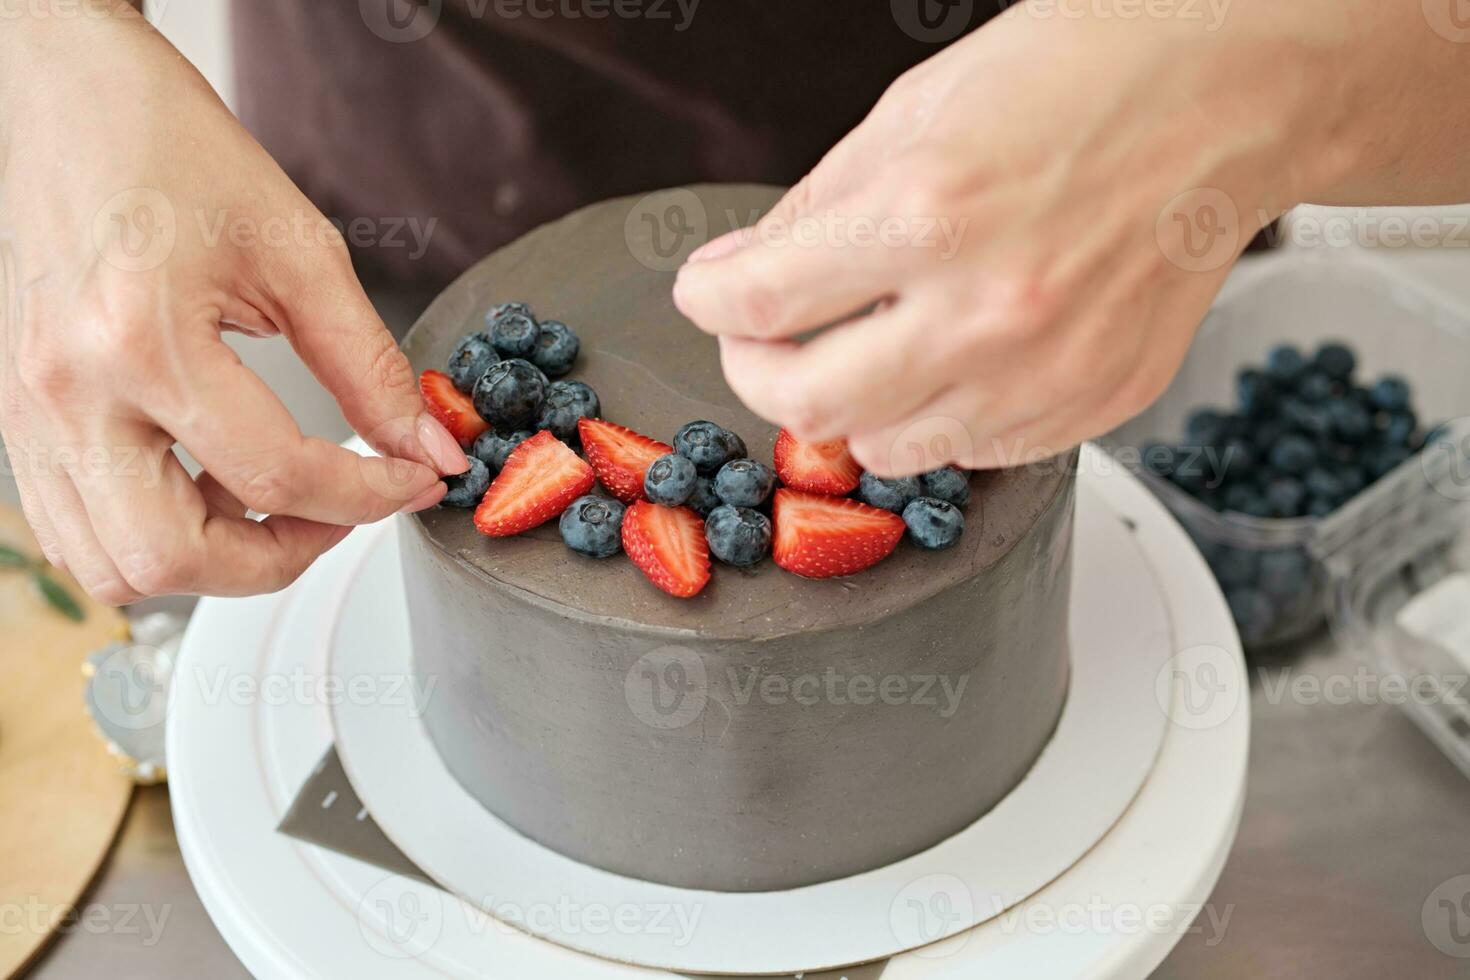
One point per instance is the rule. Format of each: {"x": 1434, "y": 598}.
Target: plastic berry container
{"x": 1282, "y": 576}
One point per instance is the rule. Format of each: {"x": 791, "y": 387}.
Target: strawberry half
{"x": 540, "y": 480}
{"x": 817, "y": 536}
{"x": 816, "y": 467}
{"x": 620, "y": 456}
{"x": 452, "y": 407}
{"x": 668, "y": 545}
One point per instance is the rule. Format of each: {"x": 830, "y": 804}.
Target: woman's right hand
{"x": 140, "y": 221}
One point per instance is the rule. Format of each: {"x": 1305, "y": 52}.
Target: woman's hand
{"x": 1020, "y": 240}
{"x": 140, "y": 221}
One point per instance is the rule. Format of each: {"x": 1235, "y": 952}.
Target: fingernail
{"x": 441, "y": 447}
{"x": 425, "y": 500}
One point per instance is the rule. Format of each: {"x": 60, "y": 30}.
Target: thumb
{"x": 334, "y": 329}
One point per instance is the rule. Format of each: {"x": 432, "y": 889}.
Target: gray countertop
{"x": 1352, "y": 820}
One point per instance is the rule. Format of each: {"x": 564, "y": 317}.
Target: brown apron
{"x": 489, "y": 117}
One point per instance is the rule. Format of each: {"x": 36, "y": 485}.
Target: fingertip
{"x": 441, "y": 448}
{"x": 426, "y": 499}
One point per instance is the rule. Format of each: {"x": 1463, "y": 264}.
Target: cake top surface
{"x": 607, "y": 271}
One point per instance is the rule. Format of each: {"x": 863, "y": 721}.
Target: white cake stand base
{"x": 1079, "y": 873}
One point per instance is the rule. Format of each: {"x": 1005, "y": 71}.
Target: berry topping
{"x": 620, "y": 456}
{"x": 738, "y": 535}
{"x": 509, "y": 395}
{"x": 466, "y": 489}
{"x": 947, "y": 483}
{"x": 890, "y": 495}
{"x": 514, "y": 335}
{"x": 472, "y": 357}
{"x": 667, "y": 544}
{"x": 708, "y": 446}
{"x": 670, "y": 480}
{"x": 540, "y": 480}
{"x": 451, "y": 407}
{"x": 744, "y": 483}
{"x": 820, "y": 536}
{"x": 1283, "y": 363}
{"x": 556, "y": 349}
{"x": 593, "y": 526}
{"x": 816, "y": 467}
{"x": 1390, "y": 394}
{"x": 493, "y": 449}
{"x": 703, "y": 499}
{"x": 566, "y": 404}
{"x": 507, "y": 309}
{"x": 934, "y": 524}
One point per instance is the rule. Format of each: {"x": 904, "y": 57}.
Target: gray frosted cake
{"x": 772, "y": 731}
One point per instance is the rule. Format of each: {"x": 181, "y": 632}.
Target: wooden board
{"x": 62, "y": 796}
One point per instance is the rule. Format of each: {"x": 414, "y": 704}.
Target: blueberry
{"x": 1267, "y": 433}
{"x": 1238, "y": 458}
{"x": 704, "y": 499}
{"x": 1284, "y": 363}
{"x": 1158, "y": 459}
{"x": 738, "y": 535}
{"x": 670, "y": 480}
{"x": 1354, "y": 478}
{"x": 1390, "y": 394}
{"x": 1351, "y": 422}
{"x": 1319, "y": 507}
{"x": 1379, "y": 460}
{"x": 1255, "y": 392}
{"x": 493, "y": 449}
{"x": 1314, "y": 387}
{"x": 1398, "y": 427}
{"x": 1311, "y": 418}
{"x": 593, "y": 526}
{"x": 1245, "y": 499}
{"x": 514, "y": 335}
{"x": 509, "y": 395}
{"x": 893, "y": 495}
{"x": 1325, "y": 484}
{"x": 934, "y": 524}
{"x": 1285, "y": 573}
{"x": 744, "y": 483}
{"x": 1205, "y": 427}
{"x": 508, "y": 309}
{"x": 1286, "y": 496}
{"x": 946, "y": 483}
{"x": 1235, "y": 567}
{"x": 1253, "y": 612}
{"x": 1293, "y": 454}
{"x": 1336, "y": 360}
{"x": 556, "y": 349}
{"x": 466, "y": 489}
{"x": 566, "y": 402}
{"x": 708, "y": 446}
{"x": 472, "y": 357}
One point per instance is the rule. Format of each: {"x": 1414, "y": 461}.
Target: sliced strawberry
{"x": 620, "y": 456}
{"x": 452, "y": 407}
{"x": 668, "y": 545}
{"x": 819, "y": 536}
{"x": 816, "y": 467}
{"x": 540, "y": 480}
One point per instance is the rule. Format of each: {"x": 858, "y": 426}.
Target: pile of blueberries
{"x": 1304, "y": 438}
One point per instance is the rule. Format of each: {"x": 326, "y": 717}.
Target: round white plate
{"x": 239, "y": 750}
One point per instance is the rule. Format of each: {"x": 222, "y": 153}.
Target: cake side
{"x": 746, "y": 765}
